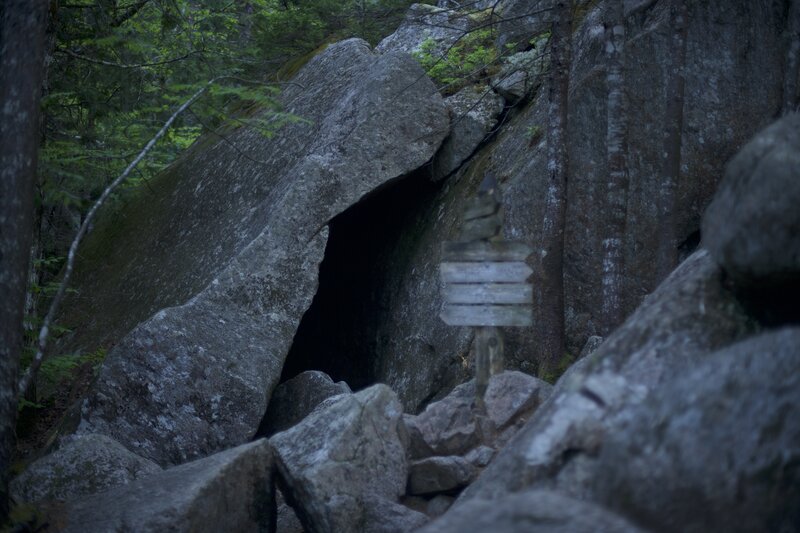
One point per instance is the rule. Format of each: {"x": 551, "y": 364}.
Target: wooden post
{"x": 485, "y": 284}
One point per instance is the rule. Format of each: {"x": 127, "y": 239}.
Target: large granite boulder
{"x": 733, "y": 89}
{"x": 229, "y": 491}
{"x": 345, "y": 465}
{"x": 295, "y": 398}
{"x": 715, "y": 449}
{"x": 752, "y": 226}
{"x": 81, "y": 465}
{"x": 219, "y": 266}
{"x": 690, "y": 315}
{"x": 536, "y": 510}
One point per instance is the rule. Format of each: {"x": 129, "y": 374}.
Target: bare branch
{"x": 122, "y": 65}
{"x": 26, "y": 380}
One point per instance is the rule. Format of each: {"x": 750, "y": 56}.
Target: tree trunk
{"x": 667, "y": 256}
{"x": 792, "y": 65}
{"x": 22, "y": 25}
{"x": 550, "y": 285}
{"x": 617, "y": 181}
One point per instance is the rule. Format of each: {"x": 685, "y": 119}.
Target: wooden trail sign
{"x": 485, "y": 283}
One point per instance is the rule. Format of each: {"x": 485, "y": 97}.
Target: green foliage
{"x": 57, "y": 370}
{"x": 469, "y": 60}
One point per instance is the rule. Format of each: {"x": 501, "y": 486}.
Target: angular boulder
{"x": 473, "y": 114}
{"x": 82, "y": 465}
{"x": 426, "y": 27}
{"x": 717, "y": 448}
{"x": 221, "y": 264}
{"x": 440, "y": 474}
{"x": 345, "y": 465}
{"x": 752, "y": 226}
{"x": 295, "y": 398}
{"x": 229, "y": 491}
{"x": 537, "y": 510}
{"x": 690, "y": 315}
{"x": 450, "y": 426}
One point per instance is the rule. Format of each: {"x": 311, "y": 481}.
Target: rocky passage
{"x": 322, "y": 246}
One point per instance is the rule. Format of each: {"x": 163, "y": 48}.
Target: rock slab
{"x": 345, "y": 465}
{"x": 229, "y": 491}
{"x": 716, "y": 449}
{"x": 82, "y": 465}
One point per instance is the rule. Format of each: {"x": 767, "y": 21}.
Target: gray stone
{"x": 341, "y": 462}
{"x": 82, "y": 465}
{"x": 690, "y": 315}
{"x": 438, "y": 28}
{"x": 440, "y": 474}
{"x": 239, "y": 243}
{"x": 520, "y": 73}
{"x": 715, "y": 449}
{"x": 752, "y": 226}
{"x": 473, "y": 115}
{"x": 286, "y": 521}
{"x": 537, "y": 510}
{"x": 450, "y": 427}
{"x": 480, "y": 456}
{"x": 439, "y": 505}
{"x": 592, "y": 343}
{"x": 384, "y": 516}
{"x": 228, "y": 491}
{"x": 295, "y": 398}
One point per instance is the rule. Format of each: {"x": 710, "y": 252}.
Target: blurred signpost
{"x": 484, "y": 281}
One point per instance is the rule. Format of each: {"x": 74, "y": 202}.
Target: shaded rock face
{"x": 752, "y": 226}
{"x": 255, "y": 262}
{"x": 716, "y": 449}
{"x": 733, "y": 88}
{"x": 345, "y": 465}
{"x": 294, "y": 399}
{"x": 228, "y": 491}
{"x": 435, "y": 27}
{"x": 82, "y": 465}
{"x": 537, "y": 510}
{"x": 690, "y": 315}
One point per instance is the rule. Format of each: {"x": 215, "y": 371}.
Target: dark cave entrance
{"x": 368, "y": 247}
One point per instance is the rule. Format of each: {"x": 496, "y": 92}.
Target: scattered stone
{"x": 449, "y": 426}
{"x": 229, "y": 491}
{"x": 439, "y": 505}
{"x": 440, "y": 474}
{"x": 538, "y": 510}
{"x": 343, "y": 462}
{"x": 752, "y": 225}
{"x": 295, "y": 398}
{"x": 592, "y": 343}
{"x": 717, "y": 448}
{"x": 480, "y": 456}
{"x": 82, "y": 465}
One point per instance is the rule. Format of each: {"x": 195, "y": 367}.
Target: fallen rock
{"x": 428, "y": 27}
{"x": 242, "y": 241}
{"x": 473, "y": 113}
{"x": 717, "y": 448}
{"x": 440, "y": 474}
{"x": 228, "y": 491}
{"x": 449, "y": 426}
{"x": 345, "y": 464}
{"x": 751, "y": 227}
{"x": 82, "y": 465}
{"x": 295, "y": 398}
{"x": 689, "y": 316}
{"x": 537, "y": 510}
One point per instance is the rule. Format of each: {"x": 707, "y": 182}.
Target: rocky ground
{"x": 683, "y": 419}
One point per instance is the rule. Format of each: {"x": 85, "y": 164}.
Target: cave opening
{"x": 368, "y": 247}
